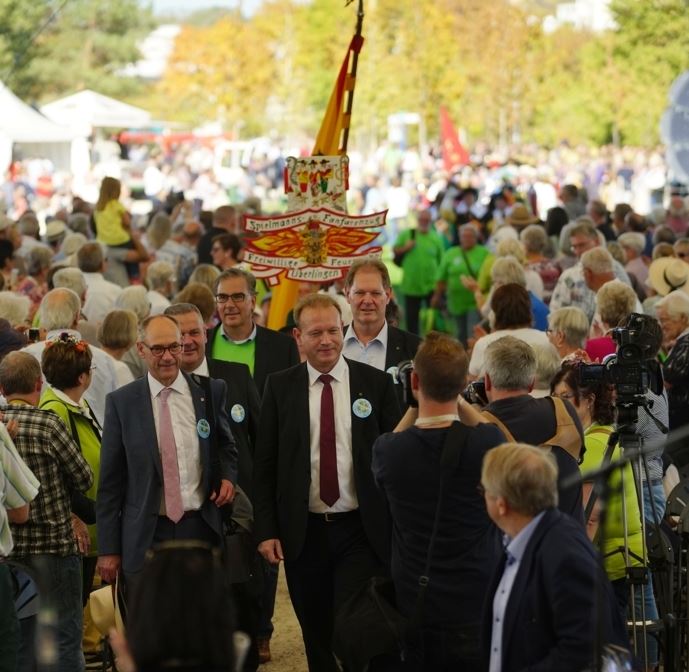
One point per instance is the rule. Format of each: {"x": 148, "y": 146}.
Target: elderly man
{"x": 47, "y": 543}
{"x": 101, "y": 293}
{"x": 541, "y": 609}
{"x": 369, "y": 338}
{"x": 571, "y": 288}
{"x": 60, "y": 311}
{"x": 156, "y": 482}
{"x": 238, "y": 338}
{"x": 315, "y": 503}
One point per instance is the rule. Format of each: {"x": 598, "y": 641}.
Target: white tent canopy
{"x": 87, "y": 110}
{"x": 28, "y": 133}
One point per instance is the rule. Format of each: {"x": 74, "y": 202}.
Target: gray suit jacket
{"x": 131, "y": 475}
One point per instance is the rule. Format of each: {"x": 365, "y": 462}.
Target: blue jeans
{"x": 657, "y": 495}
{"x": 59, "y": 588}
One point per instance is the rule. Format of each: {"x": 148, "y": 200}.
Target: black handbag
{"x": 369, "y": 624}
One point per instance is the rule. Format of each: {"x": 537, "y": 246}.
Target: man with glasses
{"x": 571, "y": 289}
{"x": 238, "y": 339}
{"x": 156, "y": 482}
{"x": 369, "y": 339}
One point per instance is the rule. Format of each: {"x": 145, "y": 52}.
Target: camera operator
{"x": 407, "y": 469}
{"x": 510, "y": 373}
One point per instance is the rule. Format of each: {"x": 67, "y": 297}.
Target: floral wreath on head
{"x": 68, "y": 339}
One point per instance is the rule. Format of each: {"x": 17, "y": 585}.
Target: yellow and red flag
{"x": 454, "y": 153}
{"x": 330, "y": 141}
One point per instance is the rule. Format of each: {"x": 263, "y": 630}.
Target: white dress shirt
{"x": 373, "y": 353}
{"x": 101, "y": 295}
{"x": 343, "y": 439}
{"x": 186, "y": 438}
{"x": 158, "y": 302}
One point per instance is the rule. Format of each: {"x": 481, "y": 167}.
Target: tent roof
{"x": 21, "y": 123}
{"x": 94, "y": 109}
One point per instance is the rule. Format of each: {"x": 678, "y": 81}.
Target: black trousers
{"x": 412, "y": 306}
{"x": 336, "y": 560}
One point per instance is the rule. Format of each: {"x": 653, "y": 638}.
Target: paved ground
{"x": 286, "y": 645}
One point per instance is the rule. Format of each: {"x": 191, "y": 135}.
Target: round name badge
{"x": 362, "y": 408}
{"x": 237, "y": 412}
{"x": 203, "y": 428}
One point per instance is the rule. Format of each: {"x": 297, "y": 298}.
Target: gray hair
{"x": 676, "y": 304}
{"x": 511, "y": 247}
{"x": 158, "y": 273}
{"x": 71, "y": 278}
{"x": 38, "y": 259}
{"x": 510, "y": 363}
{"x": 615, "y": 302}
{"x": 14, "y": 308}
{"x": 573, "y": 323}
{"x": 508, "y": 270}
{"x": 547, "y": 364}
{"x": 79, "y": 223}
{"x": 134, "y": 299}
{"x": 633, "y": 240}
{"x": 59, "y": 309}
{"x": 598, "y": 261}
{"x": 534, "y": 238}
{"x": 28, "y": 224}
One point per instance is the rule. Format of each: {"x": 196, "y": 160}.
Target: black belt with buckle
{"x": 333, "y": 517}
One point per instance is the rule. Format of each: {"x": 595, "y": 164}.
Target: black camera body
{"x": 404, "y": 370}
{"x": 475, "y": 393}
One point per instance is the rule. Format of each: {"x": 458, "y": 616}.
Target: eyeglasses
{"x": 376, "y": 294}
{"x": 237, "y": 297}
{"x": 159, "y": 350}
{"x": 563, "y": 395}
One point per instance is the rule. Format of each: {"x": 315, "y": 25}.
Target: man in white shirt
{"x": 100, "y": 293}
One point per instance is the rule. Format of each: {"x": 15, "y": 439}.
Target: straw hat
{"x": 667, "y": 274}
{"x": 520, "y": 217}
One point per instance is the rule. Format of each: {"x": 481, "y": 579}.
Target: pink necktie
{"x": 329, "y": 485}
{"x": 174, "y": 508}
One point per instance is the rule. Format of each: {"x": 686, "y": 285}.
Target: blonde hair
{"x": 110, "y": 190}
{"x": 118, "y": 329}
{"x": 512, "y": 248}
{"x": 525, "y": 476}
{"x": 573, "y": 323}
{"x": 615, "y": 301}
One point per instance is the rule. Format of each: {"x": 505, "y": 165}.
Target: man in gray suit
{"x": 159, "y": 478}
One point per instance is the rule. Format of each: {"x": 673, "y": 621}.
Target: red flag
{"x": 454, "y": 153}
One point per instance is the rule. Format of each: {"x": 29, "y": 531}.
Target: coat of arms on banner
{"x": 316, "y": 241}
{"x": 316, "y": 181}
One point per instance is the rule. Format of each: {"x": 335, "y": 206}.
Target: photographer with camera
{"x": 408, "y": 468}
{"x": 510, "y": 372}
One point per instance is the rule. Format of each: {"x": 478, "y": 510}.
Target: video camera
{"x": 633, "y": 369}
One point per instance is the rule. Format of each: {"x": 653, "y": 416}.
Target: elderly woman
{"x": 615, "y": 302}
{"x": 568, "y": 329}
{"x": 633, "y": 244}
{"x": 116, "y": 335}
{"x": 512, "y": 316}
{"x": 134, "y": 299}
{"x": 672, "y": 312}
{"x": 67, "y": 366}
{"x": 535, "y": 241}
{"x": 160, "y": 280}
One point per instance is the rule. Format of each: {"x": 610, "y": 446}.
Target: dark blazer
{"x": 274, "y": 352}
{"x": 402, "y": 345}
{"x": 550, "y": 617}
{"x": 241, "y": 390}
{"x": 131, "y": 478}
{"x": 282, "y": 465}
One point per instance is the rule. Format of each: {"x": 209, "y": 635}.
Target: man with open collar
{"x": 316, "y": 504}
{"x": 155, "y": 481}
{"x": 369, "y": 338}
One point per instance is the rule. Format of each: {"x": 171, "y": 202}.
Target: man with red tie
{"x": 315, "y": 502}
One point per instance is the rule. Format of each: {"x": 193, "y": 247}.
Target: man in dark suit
{"x": 369, "y": 338}
{"x": 238, "y": 339}
{"x": 243, "y": 403}
{"x": 155, "y": 480}
{"x": 540, "y": 611}
{"x": 316, "y": 504}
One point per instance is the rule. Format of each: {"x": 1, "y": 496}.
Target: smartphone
{"x": 34, "y": 335}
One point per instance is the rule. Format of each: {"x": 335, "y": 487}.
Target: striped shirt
{"x": 18, "y": 486}
{"x": 50, "y": 452}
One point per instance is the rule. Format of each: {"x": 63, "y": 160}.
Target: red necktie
{"x": 330, "y": 488}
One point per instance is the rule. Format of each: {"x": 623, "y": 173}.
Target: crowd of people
{"x": 144, "y": 397}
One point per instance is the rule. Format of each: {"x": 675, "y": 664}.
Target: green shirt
{"x": 229, "y": 351}
{"x": 596, "y": 441}
{"x": 420, "y": 264}
{"x": 453, "y": 267}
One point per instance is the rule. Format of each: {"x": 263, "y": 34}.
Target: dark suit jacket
{"x": 282, "y": 465}
{"x": 274, "y": 352}
{"x": 550, "y": 617}
{"x": 240, "y": 390}
{"x": 402, "y": 345}
{"x": 131, "y": 479}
